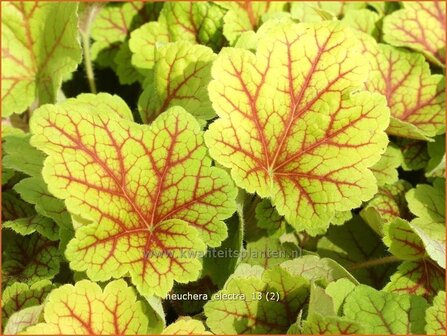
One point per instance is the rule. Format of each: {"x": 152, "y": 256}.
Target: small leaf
{"x": 306, "y": 11}
{"x": 20, "y": 295}
{"x": 435, "y": 316}
{"x": 419, "y": 26}
{"x": 339, "y": 291}
{"x": 195, "y": 22}
{"x": 422, "y": 277}
{"x": 387, "y": 205}
{"x": 402, "y": 241}
{"x": 363, "y": 20}
{"x": 186, "y": 326}
{"x": 28, "y": 260}
{"x": 385, "y": 313}
{"x": 13, "y": 207}
{"x": 182, "y": 72}
{"x": 415, "y": 154}
{"x": 23, "y": 319}
{"x": 244, "y": 16}
{"x": 87, "y": 309}
{"x": 247, "y": 313}
{"x": 36, "y": 56}
{"x": 428, "y": 204}
{"x": 153, "y": 193}
{"x": 309, "y": 148}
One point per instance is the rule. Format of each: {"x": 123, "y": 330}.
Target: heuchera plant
{"x": 223, "y": 168}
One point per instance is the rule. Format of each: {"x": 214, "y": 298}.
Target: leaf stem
{"x": 88, "y": 62}
{"x": 375, "y": 262}
{"x": 85, "y": 25}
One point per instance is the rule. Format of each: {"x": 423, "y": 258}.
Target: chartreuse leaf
{"x": 416, "y": 97}
{"x": 314, "y": 268}
{"x": 339, "y": 291}
{"x": 385, "y": 170}
{"x": 421, "y": 277}
{"x": 385, "y": 313}
{"x": 244, "y": 16}
{"x": 256, "y": 305}
{"x": 182, "y": 72}
{"x": 196, "y": 22}
{"x": 402, "y": 241}
{"x": 186, "y": 326}
{"x": 387, "y": 205}
{"x": 363, "y": 20}
{"x": 111, "y": 26}
{"x": 435, "y": 316}
{"x": 21, "y": 295}
{"x": 428, "y": 204}
{"x": 310, "y": 147}
{"x": 436, "y": 164}
{"x": 419, "y": 26}
{"x": 363, "y": 244}
{"x": 36, "y": 56}
{"x": 316, "y": 11}
{"x": 85, "y": 308}
{"x": 23, "y": 319}
{"x": 149, "y": 192}
{"x": 28, "y": 260}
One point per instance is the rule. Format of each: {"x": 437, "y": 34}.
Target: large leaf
{"x": 416, "y": 97}
{"x": 85, "y": 308}
{"x": 291, "y": 129}
{"x": 36, "y": 56}
{"x": 385, "y": 313}
{"x": 420, "y": 26}
{"x": 250, "y": 307}
{"x": 182, "y": 72}
{"x": 149, "y": 193}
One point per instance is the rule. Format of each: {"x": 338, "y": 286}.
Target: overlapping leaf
{"x": 199, "y": 22}
{"x": 28, "y": 260}
{"x": 422, "y": 277}
{"x": 316, "y": 11}
{"x": 289, "y": 128}
{"x": 85, "y": 308}
{"x": 36, "y": 56}
{"x": 435, "y": 316}
{"x": 246, "y": 315}
{"x": 428, "y": 204}
{"x": 23, "y": 319}
{"x": 149, "y": 192}
{"x": 420, "y": 26}
{"x": 416, "y": 97}
{"x": 182, "y": 72}
{"x": 20, "y": 295}
{"x": 436, "y": 165}
{"x": 362, "y": 245}
{"x": 245, "y": 16}
{"x": 35, "y": 223}
{"x": 385, "y": 170}
{"x": 387, "y": 205}
{"x": 186, "y": 326}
